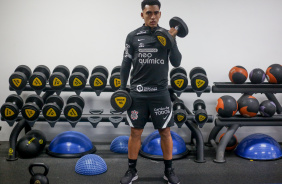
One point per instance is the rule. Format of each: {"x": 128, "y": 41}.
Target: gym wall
{"x": 71, "y": 32}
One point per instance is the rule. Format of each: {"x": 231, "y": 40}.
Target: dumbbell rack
{"x": 233, "y": 123}
{"x": 95, "y": 117}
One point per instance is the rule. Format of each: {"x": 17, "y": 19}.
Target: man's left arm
{"x": 175, "y": 56}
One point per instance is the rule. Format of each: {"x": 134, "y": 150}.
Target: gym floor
{"x": 235, "y": 170}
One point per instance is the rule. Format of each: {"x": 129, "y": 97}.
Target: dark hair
{"x": 150, "y": 2}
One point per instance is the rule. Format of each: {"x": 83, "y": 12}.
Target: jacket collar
{"x": 148, "y": 28}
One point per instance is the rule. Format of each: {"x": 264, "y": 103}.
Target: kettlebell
{"x": 37, "y": 178}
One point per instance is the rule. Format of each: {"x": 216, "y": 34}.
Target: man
{"x": 148, "y": 88}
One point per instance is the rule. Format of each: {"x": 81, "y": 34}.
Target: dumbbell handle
{"x": 177, "y": 27}
{"x": 198, "y": 107}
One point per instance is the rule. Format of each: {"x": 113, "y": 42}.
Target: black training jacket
{"x": 149, "y": 60}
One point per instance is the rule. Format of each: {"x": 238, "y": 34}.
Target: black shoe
{"x": 130, "y": 175}
{"x": 171, "y": 177}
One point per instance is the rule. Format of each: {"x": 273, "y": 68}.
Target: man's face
{"x": 151, "y": 15}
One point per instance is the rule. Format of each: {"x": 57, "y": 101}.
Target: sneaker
{"x": 130, "y": 175}
{"x": 171, "y": 177}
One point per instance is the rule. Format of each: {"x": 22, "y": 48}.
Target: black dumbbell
{"x": 98, "y": 79}
{"x": 78, "y": 78}
{"x": 121, "y": 100}
{"x": 200, "y": 112}
{"x": 115, "y": 78}
{"x": 165, "y": 37}
{"x": 180, "y": 114}
{"x": 19, "y": 78}
{"x": 59, "y": 78}
{"x": 38, "y": 79}
{"x": 178, "y": 79}
{"x": 74, "y": 109}
{"x": 11, "y": 108}
{"x": 199, "y": 80}
{"x": 52, "y": 109}
{"x": 32, "y": 107}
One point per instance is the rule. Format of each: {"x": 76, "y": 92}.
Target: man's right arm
{"x": 126, "y": 62}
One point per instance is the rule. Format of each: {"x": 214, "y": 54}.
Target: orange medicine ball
{"x": 274, "y": 74}
{"x": 238, "y": 75}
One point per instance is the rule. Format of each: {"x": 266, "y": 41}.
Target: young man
{"x": 148, "y": 88}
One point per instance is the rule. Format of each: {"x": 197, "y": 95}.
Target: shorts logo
{"x": 162, "y": 111}
{"x": 134, "y": 115}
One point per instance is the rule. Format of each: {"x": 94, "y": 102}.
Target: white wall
{"x": 223, "y": 33}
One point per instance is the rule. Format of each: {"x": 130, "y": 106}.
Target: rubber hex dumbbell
{"x": 78, "y": 78}
{"x": 59, "y": 78}
{"x": 180, "y": 114}
{"x": 178, "y": 79}
{"x": 38, "y": 79}
{"x": 121, "y": 100}
{"x": 74, "y": 109}
{"x": 98, "y": 79}
{"x": 199, "y": 80}
{"x": 31, "y": 109}
{"x": 115, "y": 78}
{"x": 201, "y": 116}
{"x": 11, "y": 108}
{"x": 165, "y": 37}
{"x": 52, "y": 109}
{"x": 19, "y": 78}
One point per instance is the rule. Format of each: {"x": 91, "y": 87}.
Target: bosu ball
{"x": 90, "y": 165}
{"x": 151, "y": 147}
{"x": 259, "y": 147}
{"x": 120, "y": 144}
{"x": 70, "y": 144}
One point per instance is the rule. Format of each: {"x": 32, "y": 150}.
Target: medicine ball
{"x": 31, "y": 145}
{"x": 238, "y": 75}
{"x": 226, "y": 106}
{"x": 267, "y": 108}
{"x": 274, "y": 74}
{"x": 231, "y": 144}
{"x": 248, "y": 106}
{"x": 257, "y": 76}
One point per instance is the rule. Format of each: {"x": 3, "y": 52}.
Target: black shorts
{"x": 157, "y": 105}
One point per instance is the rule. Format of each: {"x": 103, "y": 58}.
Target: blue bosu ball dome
{"x": 151, "y": 146}
{"x": 259, "y": 147}
{"x": 70, "y": 144}
{"x": 120, "y": 144}
{"x": 90, "y": 164}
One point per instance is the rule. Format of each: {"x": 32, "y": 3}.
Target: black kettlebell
{"x": 37, "y": 178}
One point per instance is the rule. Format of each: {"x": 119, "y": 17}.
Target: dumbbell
{"x": 52, "y": 109}
{"x": 11, "y": 108}
{"x": 98, "y": 79}
{"x": 32, "y": 107}
{"x": 199, "y": 80}
{"x": 115, "y": 78}
{"x": 78, "y": 78}
{"x": 19, "y": 78}
{"x": 59, "y": 78}
{"x": 38, "y": 79}
{"x": 74, "y": 109}
{"x": 178, "y": 79}
{"x": 165, "y": 37}
{"x": 200, "y": 112}
{"x": 121, "y": 100}
{"x": 180, "y": 114}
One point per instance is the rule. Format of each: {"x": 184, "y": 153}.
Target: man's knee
{"x": 136, "y": 133}
{"x": 165, "y": 133}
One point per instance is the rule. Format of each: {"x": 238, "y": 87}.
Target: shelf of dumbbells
{"x": 228, "y": 87}
{"x": 106, "y": 89}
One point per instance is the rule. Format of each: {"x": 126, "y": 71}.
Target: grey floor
{"x": 235, "y": 170}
